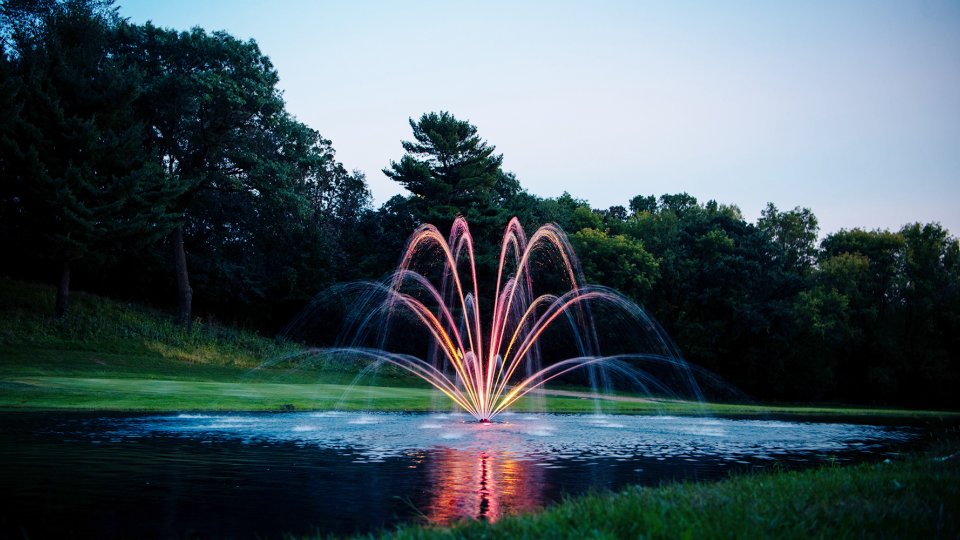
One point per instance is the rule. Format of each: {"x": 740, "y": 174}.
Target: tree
{"x": 77, "y": 164}
{"x": 866, "y": 268}
{"x": 9, "y": 121}
{"x": 718, "y": 293}
{"x": 447, "y": 166}
{"x": 570, "y": 214}
{"x": 643, "y": 203}
{"x": 451, "y": 171}
{"x": 614, "y": 216}
{"x": 883, "y": 251}
{"x": 820, "y": 327}
{"x": 395, "y": 221}
{"x": 903, "y": 295}
{"x": 220, "y": 132}
{"x": 277, "y": 236}
{"x": 930, "y": 345}
{"x": 793, "y": 234}
{"x": 616, "y": 261}
{"x": 679, "y": 204}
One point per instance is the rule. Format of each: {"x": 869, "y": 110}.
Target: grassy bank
{"x": 109, "y": 355}
{"x": 98, "y": 325}
{"x": 915, "y": 498}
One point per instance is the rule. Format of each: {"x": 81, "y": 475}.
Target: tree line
{"x": 136, "y": 147}
{"x": 163, "y": 166}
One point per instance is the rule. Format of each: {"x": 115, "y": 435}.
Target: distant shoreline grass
{"x": 113, "y": 356}
{"x": 97, "y": 382}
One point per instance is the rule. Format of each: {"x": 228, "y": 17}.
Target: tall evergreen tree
{"x": 451, "y": 171}
{"x": 448, "y": 167}
{"x": 78, "y": 172}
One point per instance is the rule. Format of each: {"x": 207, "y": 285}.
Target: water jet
{"x": 486, "y": 357}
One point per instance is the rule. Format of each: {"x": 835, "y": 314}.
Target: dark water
{"x": 265, "y": 475}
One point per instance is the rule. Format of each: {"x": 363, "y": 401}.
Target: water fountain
{"x": 485, "y": 358}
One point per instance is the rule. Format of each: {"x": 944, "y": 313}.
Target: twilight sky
{"x": 850, "y": 108}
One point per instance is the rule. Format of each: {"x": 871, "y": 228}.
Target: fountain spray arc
{"x": 484, "y": 369}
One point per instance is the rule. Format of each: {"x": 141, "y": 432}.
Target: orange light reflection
{"x": 483, "y": 485}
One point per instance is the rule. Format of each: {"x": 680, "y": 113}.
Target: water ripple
{"x": 543, "y": 437}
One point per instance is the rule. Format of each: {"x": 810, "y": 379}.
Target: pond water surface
{"x": 269, "y": 474}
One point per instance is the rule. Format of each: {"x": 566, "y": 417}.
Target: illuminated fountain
{"x": 485, "y": 368}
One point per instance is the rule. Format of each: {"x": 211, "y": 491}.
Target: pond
{"x": 270, "y": 474}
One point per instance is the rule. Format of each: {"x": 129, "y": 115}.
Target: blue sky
{"x": 849, "y": 108}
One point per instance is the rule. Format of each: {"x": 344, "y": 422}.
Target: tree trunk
{"x": 184, "y": 292}
{"x": 63, "y": 291}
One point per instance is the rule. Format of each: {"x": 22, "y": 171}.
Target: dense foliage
{"x": 148, "y": 159}
{"x": 163, "y": 166}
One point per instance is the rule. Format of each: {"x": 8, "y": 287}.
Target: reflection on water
{"x": 266, "y": 475}
{"x": 482, "y": 485}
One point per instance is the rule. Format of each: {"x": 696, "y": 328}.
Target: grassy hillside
{"x": 113, "y": 355}
{"x": 96, "y": 324}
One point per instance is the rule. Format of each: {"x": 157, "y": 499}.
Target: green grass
{"x": 915, "y": 498}
{"x": 99, "y": 325}
{"x": 110, "y": 355}
{"x": 131, "y": 394}
{"x": 734, "y": 409}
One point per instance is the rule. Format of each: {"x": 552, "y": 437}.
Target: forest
{"x": 161, "y": 166}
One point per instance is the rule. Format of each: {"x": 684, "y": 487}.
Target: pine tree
{"x": 77, "y": 171}
{"x": 451, "y": 171}
{"x": 448, "y": 168}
